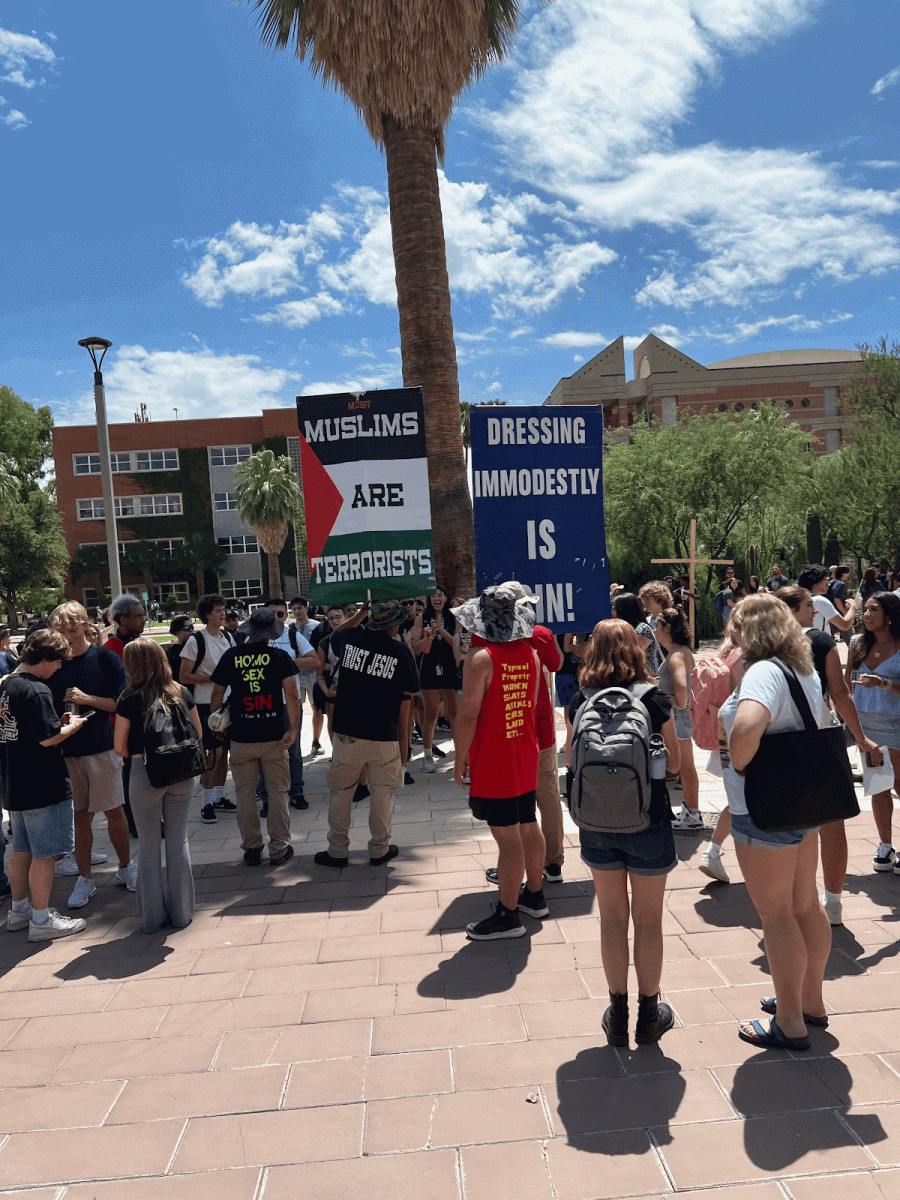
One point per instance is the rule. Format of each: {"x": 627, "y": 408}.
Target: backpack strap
{"x": 292, "y": 638}
{"x": 201, "y": 650}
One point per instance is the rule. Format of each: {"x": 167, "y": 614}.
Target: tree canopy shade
{"x": 403, "y": 63}
{"x": 268, "y": 500}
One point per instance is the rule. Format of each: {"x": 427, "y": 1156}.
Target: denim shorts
{"x": 649, "y": 853}
{"x": 44, "y": 832}
{"x": 684, "y": 727}
{"x": 744, "y": 831}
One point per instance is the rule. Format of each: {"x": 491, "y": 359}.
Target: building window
{"x": 804, "y": 404}
{"x": 722, "y": 408}
{"x": 807, "y": 446}
{"x": 788, "y": 404}
{"x": 160, "y": 592}
{"x": 241, "y": 544}
{"x": 120, "y": 463}
{"x": 240, "y": 589}
{"x": 156, "y": 460}
{"x": 160, "y": 506}
{"x": 754, "y": 406}
{"x": 224, "y": 501}
{"x": 228, "y": 456}
{"x": 86, "y": 464}
{"x": 832, "y": 440}
{"x": 739, "y": 408}
{"x": 94, "y": 510}
{"x": 90, "y": 599}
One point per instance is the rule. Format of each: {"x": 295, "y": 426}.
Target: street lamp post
{"x": 95, "y": 346}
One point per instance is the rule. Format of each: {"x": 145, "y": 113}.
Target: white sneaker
{"x": 833, "y": 910}
{"x": 58, "y": 926}
{"x": 428, "y": 766}
{"x": 126, "y": 877}
{"x": 711, "y": 865}
{"x": 16, "y": 921}
{"x": 688, "y": 819}
{"x": 81, "y": 893}
{"x": 68, "y": 866}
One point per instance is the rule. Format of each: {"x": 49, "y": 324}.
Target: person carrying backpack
{"x": 621, "y": 721}
{"x": 158, "y": 728}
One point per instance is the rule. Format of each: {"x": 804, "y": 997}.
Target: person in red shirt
{"x": 497, "y": 744}
{"x": 129, "y": 617}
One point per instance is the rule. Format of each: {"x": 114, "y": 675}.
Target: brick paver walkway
{"x": 319, "y": 1034}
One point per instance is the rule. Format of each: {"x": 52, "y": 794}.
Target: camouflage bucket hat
{"x": 385, "y": 614}
{"x": 497, "y": 615}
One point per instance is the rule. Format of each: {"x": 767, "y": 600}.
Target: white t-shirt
{"x": 825, "y": 610}
{"x": 765, "y": 683}
{"x": 215, "y": 648}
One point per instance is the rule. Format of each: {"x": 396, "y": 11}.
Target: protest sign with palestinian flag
{"x": 365, "y": 486}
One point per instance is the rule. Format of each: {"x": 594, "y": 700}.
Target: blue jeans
{"x": 295, "y": 762}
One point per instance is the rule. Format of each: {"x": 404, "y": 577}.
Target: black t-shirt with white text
{"x": 375, "y": 673}
{"x": 255, "y": 672}
{"x": 31, "y": 775}
{"x": 98, "y": 672}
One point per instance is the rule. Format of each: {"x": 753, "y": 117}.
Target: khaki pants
{"x": 247, "y": 760}
{"x": 549, "y": 806}
{"x": 350, "y": 757}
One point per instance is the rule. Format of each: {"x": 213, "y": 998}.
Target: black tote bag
{"x": 801, "y": 778}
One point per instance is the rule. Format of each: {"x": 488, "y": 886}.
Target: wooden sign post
{"x": 692, "y": 562}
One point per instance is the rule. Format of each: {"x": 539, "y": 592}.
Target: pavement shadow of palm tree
{"x": 785, "y": 1106}
{"x": 595, "y": 1096}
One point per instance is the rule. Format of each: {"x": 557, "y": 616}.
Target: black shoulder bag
{"x": 801, "y": 778}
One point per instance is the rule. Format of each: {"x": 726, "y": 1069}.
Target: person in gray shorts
{"x": 34, "y": 786}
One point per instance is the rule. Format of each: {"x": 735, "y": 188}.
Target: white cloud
{"x": 886, "y": 81}
{"x": 490, "y": 250}
{"x": 572, "y": 337}
{"x": 747, "y": 330}
{"x": 882, "y": 164}
{"x": 14, "y": 119}
{"x": 386, "y": 375}
{"x": 16, "y": 49}
{"x": 593, "y": 119}
{"x": 196, "y": 382}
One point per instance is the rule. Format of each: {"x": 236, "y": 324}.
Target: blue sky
{"x": 723, "y": 173}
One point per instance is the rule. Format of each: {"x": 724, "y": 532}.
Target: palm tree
{"x": 268, "y": 500}
{"x": 402, "y": 64}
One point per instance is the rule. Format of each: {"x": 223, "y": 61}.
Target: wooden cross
{"x": 692, "y": 560}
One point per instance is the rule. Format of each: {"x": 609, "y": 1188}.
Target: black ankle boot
{"x": 615, "y": 1019}
{"x": 654, "y": 1019}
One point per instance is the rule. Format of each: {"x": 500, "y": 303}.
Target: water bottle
{"x": 658, "y": 755}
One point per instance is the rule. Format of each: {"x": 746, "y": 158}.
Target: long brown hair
{"x": 613, "y": 656}
{"x": 768, "y": 630}
{"x": 148, "y": 672}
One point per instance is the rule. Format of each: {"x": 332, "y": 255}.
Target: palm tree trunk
{"x": 274, "y": 576}
{"x": 427, "y": 346}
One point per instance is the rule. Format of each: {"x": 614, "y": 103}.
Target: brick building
{"x": 667, "y": 382}
{"x": 171, "y": 480}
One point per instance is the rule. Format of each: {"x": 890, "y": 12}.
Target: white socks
{"x": 21, "y": 907}
{"x": 833, "y": 897}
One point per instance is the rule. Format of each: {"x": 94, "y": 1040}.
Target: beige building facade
{"x": 668, "y": 383}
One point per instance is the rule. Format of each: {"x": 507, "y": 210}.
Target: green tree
{"x": 26, "y": 441}
{"x": 199, "y": 554}
{"x": 269, "y": 500}
{"x": 731, "y": 474}
{"x": 33, "y": 552}
{"x": 403, "y": 66}
{"x": 875, "y": 389}
{"x": 855, "y": 491}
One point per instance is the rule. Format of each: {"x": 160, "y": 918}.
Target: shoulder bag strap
{"x": 799, "y": 698}
{"x": 201, "y": 650}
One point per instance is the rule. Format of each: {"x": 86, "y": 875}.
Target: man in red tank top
{"x": 496, "y": 741}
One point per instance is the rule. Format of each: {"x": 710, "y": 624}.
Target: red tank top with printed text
{"x": 503, "y": 759}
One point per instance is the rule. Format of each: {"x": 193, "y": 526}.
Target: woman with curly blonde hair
{"x": 779, "y": 869}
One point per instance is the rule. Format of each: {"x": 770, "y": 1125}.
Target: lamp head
{"x": 95, "y": 346}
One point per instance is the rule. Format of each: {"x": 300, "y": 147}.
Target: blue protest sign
{"x": 537, "y": 485}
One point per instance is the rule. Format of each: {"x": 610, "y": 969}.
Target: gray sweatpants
{"x": 170, "y": 902}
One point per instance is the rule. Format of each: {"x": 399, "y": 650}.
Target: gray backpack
{"x": 611, "y": 761}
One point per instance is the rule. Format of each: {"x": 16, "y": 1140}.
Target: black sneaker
{"x": 492, "y": 875}
{"x": 408, "y": 779}
{"x": 502, "y": 923}
{"x": 224, "y": 805}
{"x": 392, "y": 852}
{"x": 208, "y": 815}
{"x": 533, "y": 904}
{"x": 553, "y": 873}
{"x": 443, "y": 723}
{"x": 253, "y": 856}
{"x": 299, "y": 802}
{"x": 282, "y": 858}
{"x": 885, "y": 857}
{"x": 324, "y": 859}
{"x": 416, "y": 737}
{"x": 438, "y": 752}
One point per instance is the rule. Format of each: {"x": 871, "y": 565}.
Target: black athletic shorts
{"x": 511, "y": 810}
{"x": 211, "y": 741}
